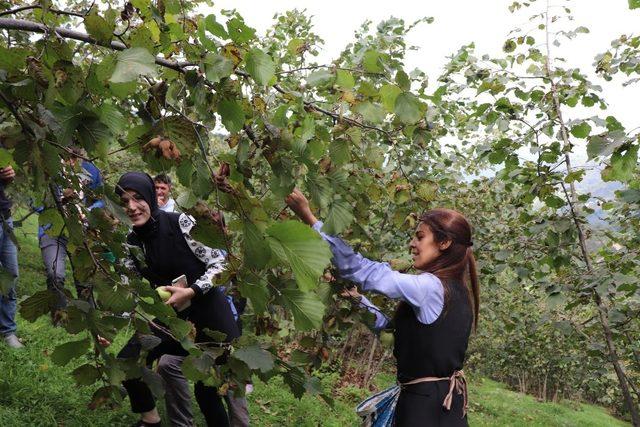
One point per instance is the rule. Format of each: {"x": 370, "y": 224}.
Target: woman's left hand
{"x": 179, "y": 295}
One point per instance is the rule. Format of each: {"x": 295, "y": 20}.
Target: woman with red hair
{"x": 437, "y": 311}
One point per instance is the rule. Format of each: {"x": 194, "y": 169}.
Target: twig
{"x": 15, "y": 113}
{"x": 37, "y": 6}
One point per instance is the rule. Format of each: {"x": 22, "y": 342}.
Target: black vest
{"x": 437, "y": 349}
{"x": 168, "y": 256}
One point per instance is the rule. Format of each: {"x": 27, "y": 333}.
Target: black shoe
{"x": 146, "y": 424}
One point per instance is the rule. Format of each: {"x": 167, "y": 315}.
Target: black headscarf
{"x": 142, "y": 184}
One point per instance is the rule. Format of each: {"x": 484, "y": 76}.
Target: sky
{"x": 488, "y": 24}
{"x": 458, "y": 22}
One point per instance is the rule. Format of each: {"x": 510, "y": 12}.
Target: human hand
{"x": 7, "y": 173}
{"x": 351, "y": 293}
{"x": 179, "y": 295}
{"x": 103, "y": 341}
{"x": 299, "y": 204}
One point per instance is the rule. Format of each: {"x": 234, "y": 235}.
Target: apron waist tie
{"x": 457, "y": 382}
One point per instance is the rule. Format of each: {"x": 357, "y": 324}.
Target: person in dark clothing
{"x": 434, "y": 319}
{"x": 177, "y": 393}
{"x": 169, "y": 252}
{"x": 9, "y": 262}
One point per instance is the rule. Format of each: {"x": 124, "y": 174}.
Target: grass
{"x": 34, "y": 392}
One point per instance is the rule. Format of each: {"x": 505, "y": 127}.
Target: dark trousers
{"x": 420, "y": 405}
{"x": 178, "y": 396}
{"x": 140, "y": 395}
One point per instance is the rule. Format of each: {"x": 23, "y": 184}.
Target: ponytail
{"x": 474, "y": 285}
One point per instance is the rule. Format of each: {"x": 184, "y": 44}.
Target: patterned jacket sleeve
{"x": 212, "y": 258}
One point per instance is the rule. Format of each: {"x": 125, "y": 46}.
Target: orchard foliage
{"x": 370, "y": 142}
{"x": 157, "y": 80}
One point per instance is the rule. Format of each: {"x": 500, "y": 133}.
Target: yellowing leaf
{"x": 131, "y": 63}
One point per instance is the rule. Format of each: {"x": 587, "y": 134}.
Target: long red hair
{"x": 456, "y": 265}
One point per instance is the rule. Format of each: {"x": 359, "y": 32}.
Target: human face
{"x": 424, "y": 248}
{"x": 136, "y": 208}
{"x": 162, "y": 191}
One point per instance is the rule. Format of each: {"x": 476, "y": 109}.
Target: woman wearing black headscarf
{"x": 169, "y": 252}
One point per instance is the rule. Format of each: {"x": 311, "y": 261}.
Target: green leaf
{"x": 98, "y": 27}
{"x": 622, "y": 166}
{"x": 64, "y": 353}
{"x": 232, "y": 115}
{"x": 319, "y": 189}
{"x": 180, "y": 328}
{"x": 388, "y": 95}
{"x": 295, "y": 46}
{"x": 112, "y": 118}
{"x": 554, "y": 201}
{"x": 296, "y": 379}
{"x": 509, "y": 46}
{"x": 255, "y": 247}
{"x": 307, "y": 309}
{"x": 13, "y": 59}
{"x": 302, "y": 249}
{"x": 371, "y": 112}
{"x": 371, "y": 63}
{"x": 214, "y": 27}
{"x": 256, "y": 290}
{"x": 131, "y": 63}
{"x": 118, "y": 300}
{"x": 217, "y": 67}
{"x": 260, "y": 66}
{"x": 339, "y": 151}
{"x": 344, "y": 79}
{"x": 238, "y": 31}
{"x": 38, "y": 304}
{"x": 402, "y": 79}
{"x": 86, "y": 374}
{"x": 198, "y": 367}
{"x": 255, "y": 357}
{"x": 634, "y": 4}
{"x": 186, "y": 200}
{"x": 581, "y": 130}
{"x": 339, "y": 218}
{"x": 320, "y": 77}
{"x": 605, "y": 144}
{"x": 407, "y": 108}
{"x": 53, "y": 220}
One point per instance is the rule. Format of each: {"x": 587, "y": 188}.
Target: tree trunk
{"x": 367, "y": 373}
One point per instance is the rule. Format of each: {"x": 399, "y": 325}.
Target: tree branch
{"x": 14, "y": 111}
{"x": 37, "y": 6}
{"x": 35, "y": 27}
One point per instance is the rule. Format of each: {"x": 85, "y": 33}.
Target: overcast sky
{"x": 457, "y": 22}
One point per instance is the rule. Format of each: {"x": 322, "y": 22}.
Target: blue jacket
{"x": 92, "y": 179}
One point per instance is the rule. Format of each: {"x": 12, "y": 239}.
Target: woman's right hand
{"x": 300, "y": 206}
{"x": 103, "y": 341}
